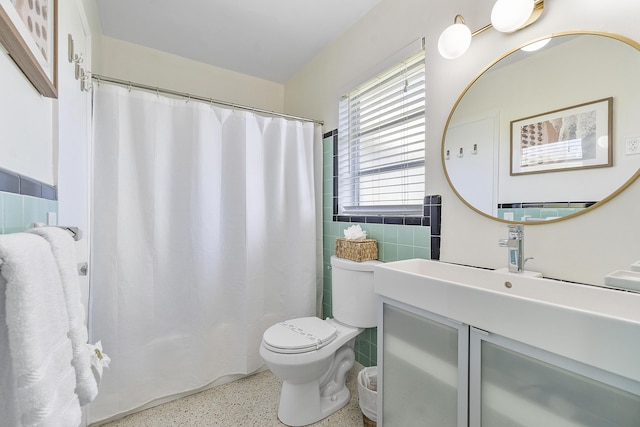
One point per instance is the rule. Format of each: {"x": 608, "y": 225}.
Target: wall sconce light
{"x": 455, "y": 39}
{"x": 507, "y": 16}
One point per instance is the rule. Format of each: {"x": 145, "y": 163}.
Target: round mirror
{"x": 548, "y": 131}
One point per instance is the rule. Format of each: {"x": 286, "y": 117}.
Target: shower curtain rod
{"x": 99, "y": 78}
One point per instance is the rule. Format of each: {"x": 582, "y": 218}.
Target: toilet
{"x": 312, "y": 356}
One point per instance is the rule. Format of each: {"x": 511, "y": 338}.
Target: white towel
{"x": 64, "y": 252}
{"x": 8, "y": 400}
{"x": 37, "y": 325}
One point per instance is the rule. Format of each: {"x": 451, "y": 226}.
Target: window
{"x": 381, "y": 143}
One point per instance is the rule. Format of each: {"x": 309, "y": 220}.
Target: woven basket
{"x": 366, "y": 422}
{"x": 357, "y": 250}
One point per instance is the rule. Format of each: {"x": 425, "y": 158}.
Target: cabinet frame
{"x": 477, "y": 336}
{"x": 462, "y": 360}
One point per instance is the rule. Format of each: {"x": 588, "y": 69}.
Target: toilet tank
{"x": 353, "y": 299}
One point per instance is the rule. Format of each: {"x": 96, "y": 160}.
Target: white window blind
{"x": 381, "y": 143}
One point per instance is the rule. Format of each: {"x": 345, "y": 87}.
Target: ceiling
{"x": 268, "y": 39}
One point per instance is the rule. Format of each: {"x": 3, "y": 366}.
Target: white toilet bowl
{"x": 313, "y": 378}
{"x": 312, "y": 356}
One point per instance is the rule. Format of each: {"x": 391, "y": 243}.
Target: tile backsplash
{"x": 537, "y": 211}
{"x": 19, "y": 213}
{"x": 24, "y": 201}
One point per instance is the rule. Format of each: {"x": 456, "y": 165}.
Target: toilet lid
{"x": 299, "y": 335}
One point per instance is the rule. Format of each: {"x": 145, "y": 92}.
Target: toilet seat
{"x": 299, "y": 335}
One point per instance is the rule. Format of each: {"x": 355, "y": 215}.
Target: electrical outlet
{"x": 632, "y": 146}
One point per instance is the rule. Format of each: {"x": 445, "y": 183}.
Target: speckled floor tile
{"x": 251, "y": 401}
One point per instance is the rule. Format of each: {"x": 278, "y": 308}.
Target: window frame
{"x": 392, "y": 83}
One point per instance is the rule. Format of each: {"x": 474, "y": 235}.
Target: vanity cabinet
{"x": 513, "y": 384}
{"x": 423, "y": 375}
{"x": 435, "y": 371}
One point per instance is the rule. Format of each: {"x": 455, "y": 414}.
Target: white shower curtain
{"x": 204, "y": 234}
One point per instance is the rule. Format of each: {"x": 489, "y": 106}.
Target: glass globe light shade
{"x": 510, "y": 15}
{"x": 454, "y": 41}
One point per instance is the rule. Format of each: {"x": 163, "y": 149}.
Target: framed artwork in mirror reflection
{"x": 576, "y": 137}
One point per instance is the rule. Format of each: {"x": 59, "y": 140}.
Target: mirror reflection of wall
{"x": 570, "y": 70}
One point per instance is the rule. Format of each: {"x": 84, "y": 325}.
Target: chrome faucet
{"x": 515, "y": 248}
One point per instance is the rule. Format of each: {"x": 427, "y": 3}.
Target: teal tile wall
{"x": 520, "y": 214}
{"x": 19, "y": 212}
{"x": 395, "y": 242}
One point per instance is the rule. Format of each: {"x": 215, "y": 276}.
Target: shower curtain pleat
{"x": 205, "y": 233}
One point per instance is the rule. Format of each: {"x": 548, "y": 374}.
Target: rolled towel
{"x": 64, "y": 253}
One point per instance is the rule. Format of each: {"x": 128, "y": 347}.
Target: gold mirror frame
{"x": 624, "y": 186}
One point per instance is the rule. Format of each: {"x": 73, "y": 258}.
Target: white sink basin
{"x": 593, "y": 325}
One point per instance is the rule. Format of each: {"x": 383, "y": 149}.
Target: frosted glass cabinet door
{"x": 420, "y": 377}
{"x": 513, "y": 385}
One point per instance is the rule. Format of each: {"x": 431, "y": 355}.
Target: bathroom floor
{"x": 251, "y": 401}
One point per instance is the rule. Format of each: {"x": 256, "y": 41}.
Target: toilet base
{"x": 306, "y": 403}
{"x": 299, "y": 412}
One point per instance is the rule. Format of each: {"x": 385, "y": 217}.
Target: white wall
{"x": 29, "y": 122}
{"x": 26, "y": 124}
{"x": 582, "y": 249}
{"x": 72, "y": 156}
{"x": 131, "y": 62}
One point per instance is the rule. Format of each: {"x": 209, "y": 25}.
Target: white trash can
{"x": 368, "y": 395}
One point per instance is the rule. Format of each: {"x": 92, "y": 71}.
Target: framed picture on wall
{"x": 28, "y": 31}
{"x": 576, "y": 137}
